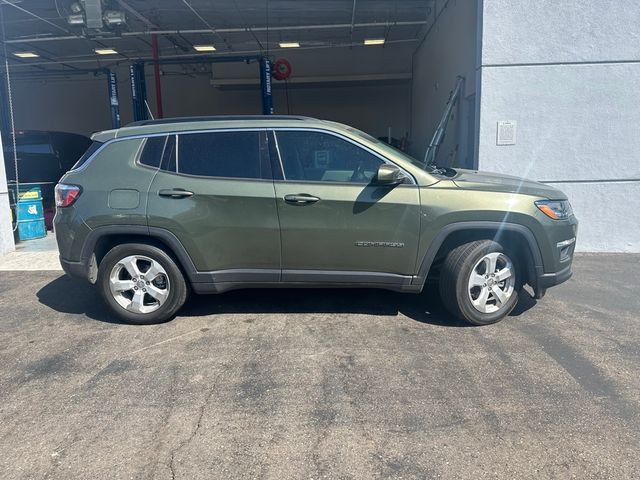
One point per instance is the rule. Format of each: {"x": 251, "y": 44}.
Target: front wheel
{"x": 141, "y": 283}
{"x": 479, "y": 282}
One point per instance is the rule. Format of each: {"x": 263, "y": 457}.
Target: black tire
{"x": 454, "y": 282}
{"x": 178, "y": 290}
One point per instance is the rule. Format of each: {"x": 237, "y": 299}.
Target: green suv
{"x": 158, "y": 208}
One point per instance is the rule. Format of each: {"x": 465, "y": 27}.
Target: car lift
{"x": 139, "y": 89}
{"x": 112, "y": 84}
{"x": 138, "y": 85}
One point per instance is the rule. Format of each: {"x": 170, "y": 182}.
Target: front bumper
{"x": 548, "y": 280}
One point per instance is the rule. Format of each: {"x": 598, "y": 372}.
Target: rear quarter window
{"x": 93, "y": 148}
{"x": 152, "y": 151}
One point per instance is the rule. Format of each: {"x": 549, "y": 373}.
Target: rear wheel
{"x": 479, "y": 282}
{"x": 141, "y": 283}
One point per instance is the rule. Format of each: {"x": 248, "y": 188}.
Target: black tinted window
{"x": 316, "y": 156}
{"x": 30, "y": 144}
{"x": 152, "y": 151}
{"x": 87, "y": 154}
{"x": 220, "y": 154}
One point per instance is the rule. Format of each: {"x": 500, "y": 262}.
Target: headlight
{"x": 556, "y": 209}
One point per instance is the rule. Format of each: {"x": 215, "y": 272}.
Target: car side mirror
{"x": 389, "y": 175}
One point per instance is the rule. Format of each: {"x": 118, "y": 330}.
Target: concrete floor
{"x": 33, "y": 255}
{"x": 322, "y": 384}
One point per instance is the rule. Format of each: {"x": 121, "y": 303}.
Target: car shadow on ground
{"x": 66, "y": 295}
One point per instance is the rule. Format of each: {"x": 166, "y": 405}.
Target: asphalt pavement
{"x": 350, "y": 384}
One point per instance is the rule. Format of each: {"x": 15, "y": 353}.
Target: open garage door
{"x": 386, "y": 67}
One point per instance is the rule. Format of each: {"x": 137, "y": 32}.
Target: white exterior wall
{"x": 6, "y": 232}
{"x": 569, "y": 73}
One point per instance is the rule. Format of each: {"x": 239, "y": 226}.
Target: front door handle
{"x": 175, "y": 193}
{"x": 300, "y": 199}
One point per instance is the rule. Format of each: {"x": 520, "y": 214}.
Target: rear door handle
{"x": 175, "y": 193}
{"x": 300, "y": 199}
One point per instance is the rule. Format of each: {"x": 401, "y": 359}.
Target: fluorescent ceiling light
{"x": 289, "y": 44}
{"x": 26, "y": 55}
{"x": 204, "y": 48}
{"x": 374, "y": 41}
{"x": 105, "y": 51}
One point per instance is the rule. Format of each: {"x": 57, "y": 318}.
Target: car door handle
{"x": 175, "y": 193}
{"x": 300, "y": 199}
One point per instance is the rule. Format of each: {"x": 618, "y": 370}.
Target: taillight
{"x": 66, "y": 194}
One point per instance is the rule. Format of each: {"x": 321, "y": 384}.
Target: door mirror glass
{"x": 390, "y": 175}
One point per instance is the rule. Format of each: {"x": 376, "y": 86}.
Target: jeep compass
{"x": 158, "y": 208}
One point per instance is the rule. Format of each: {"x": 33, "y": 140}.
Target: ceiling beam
{"x": 84, "y": 59}
{"x": 24, "y": 10}
{"x": 137, "y": 14}
{"x": 211, "y": 28}
{"x": 246, "y": 26}
{"x": 331, "y": 26}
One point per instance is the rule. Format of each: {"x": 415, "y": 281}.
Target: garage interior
{"x": 386, "y": 67}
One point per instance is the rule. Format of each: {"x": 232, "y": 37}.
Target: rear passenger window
{"x": 221, "y": 154}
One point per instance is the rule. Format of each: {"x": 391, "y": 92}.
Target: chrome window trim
{"x": 275, "y": 139}
{"x": 164, "y": 134}
{"x": 248, "y": 129}
{"x": 177, "y": 155}
{"x": 343, "y": 137}
{"x": 138, "y": 155}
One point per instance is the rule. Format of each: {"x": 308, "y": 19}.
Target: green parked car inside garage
{"x": 157, "y": 208}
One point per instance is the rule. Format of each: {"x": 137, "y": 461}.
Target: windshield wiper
{"x": 435, "y": 169}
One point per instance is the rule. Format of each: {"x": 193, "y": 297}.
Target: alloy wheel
{"x": 491, "y": 283}
{"x": 139, "y": 284}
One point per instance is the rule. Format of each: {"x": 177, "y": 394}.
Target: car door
{"x": 337, "y": 225}
{"x": 214, "y": 192}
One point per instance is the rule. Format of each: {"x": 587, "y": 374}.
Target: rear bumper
{"x": 74, "y": 269}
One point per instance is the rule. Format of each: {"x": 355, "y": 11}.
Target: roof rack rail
{"x": 141, "y": 123}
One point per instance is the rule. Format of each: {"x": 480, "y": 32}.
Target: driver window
{"x": 321, "y": 157}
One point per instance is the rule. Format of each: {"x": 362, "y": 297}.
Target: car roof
{"x": 182, "y": 124}
{"x": 216, "y": 118}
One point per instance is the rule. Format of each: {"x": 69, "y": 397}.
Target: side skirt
{"x": 236, "y": 279}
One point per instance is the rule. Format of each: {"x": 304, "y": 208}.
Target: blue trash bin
{"x": 30, "y": 214}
